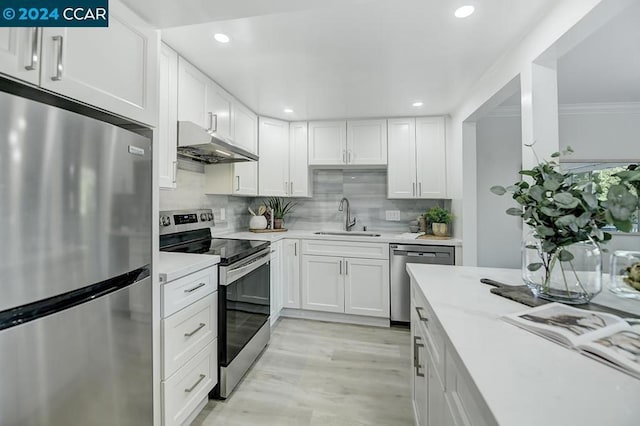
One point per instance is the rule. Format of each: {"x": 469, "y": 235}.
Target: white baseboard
{"x": 334, "y": 317}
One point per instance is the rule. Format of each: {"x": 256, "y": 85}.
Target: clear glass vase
{"x": 625, "y": 274}
{"x": 570, "y": 274}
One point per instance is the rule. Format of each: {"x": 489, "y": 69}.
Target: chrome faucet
{"x": 348, "y": 222}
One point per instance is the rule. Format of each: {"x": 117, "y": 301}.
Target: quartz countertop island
{"x": 524, "y": 379}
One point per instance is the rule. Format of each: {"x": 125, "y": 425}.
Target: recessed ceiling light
{"x": 288, "y": 110}
{"x": 222, "y": 38}
{"x": 464, "y": 11}
{"x": 417, "y": 104}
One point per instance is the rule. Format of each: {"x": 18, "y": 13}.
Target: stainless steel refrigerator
{"x": 75, "y": 255}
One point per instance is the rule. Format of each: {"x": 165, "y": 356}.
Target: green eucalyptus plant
{"x": 563, "y": 212}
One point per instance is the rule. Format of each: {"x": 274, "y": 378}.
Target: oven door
{"x": 244, "y": 303}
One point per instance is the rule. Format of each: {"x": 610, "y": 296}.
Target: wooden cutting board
{"x": 432, "y": 237}
{"x": 264, "y": 231}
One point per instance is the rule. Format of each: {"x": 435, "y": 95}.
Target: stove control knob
{"x": 165, "y": 221}
{"x": 210, "y": 216}
{"x": 203, "y": 217}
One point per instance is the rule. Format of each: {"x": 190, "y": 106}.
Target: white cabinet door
{"x": 401, "y": 173}
{"x": 322, "y": 283}
{"x": 245, "y": 124}
{"x": 192, "y": 94}
{"x": 20, "y": 53}
{"x": 420, "y": 392}
{"x": 431, "y": 157}
{"x": 367, "y": 142}
{"x": 298, "y": 160}
{"x": 274, "y": 157}
{"x": 112, "y": 68}
{"x": 327, "y": 143}
{"x": 276, "y": 281}
{"x": 168, "y": 117}
{"x": 366, "y": 287}
{"x": 219, "y": 111}
{"x": 291, "y": 274}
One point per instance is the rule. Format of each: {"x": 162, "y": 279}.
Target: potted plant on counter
{"x": 280, "y": 209}
{"x": 440, "y": 218}
{"x": 561, "y": 257}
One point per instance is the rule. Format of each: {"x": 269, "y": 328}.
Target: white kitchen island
{"x": 471, "y": 367}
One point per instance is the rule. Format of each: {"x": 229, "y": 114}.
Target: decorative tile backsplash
{"x": 366, "y": 191}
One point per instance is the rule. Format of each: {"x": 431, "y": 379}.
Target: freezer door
{"x": 75, "y": 201}
{"x": 89, "y": 365}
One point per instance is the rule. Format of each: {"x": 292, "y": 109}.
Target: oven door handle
{"x": 234, "y": 274}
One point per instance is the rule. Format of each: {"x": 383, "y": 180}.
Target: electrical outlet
{"x": 392, "y": 215}
{"x": 223, "y": 214}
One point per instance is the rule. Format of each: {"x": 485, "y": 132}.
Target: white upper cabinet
{"x": 274, "y": 159}
{"x": 20, "y": 53}
{"x": 219, "y": 111}
{"x": 431, "y": 157}
{"x": 401, "y": 174}
{"x": 417, "y": 158}
{"x": 112, "y": 68}
{"x": 367, "y": 142}
{"x": 327, "y": 143}
{"x": 168, "y": 117}
{"x": 245, "y": 125}
{"x": 192, "y": 94}
{"x": 299, "y": 181}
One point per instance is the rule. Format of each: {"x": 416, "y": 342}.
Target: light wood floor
{"x": 317, "y": 373}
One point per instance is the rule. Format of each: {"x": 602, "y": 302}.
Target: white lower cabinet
{"x": 343, "y": 283}
{"x": 189, "y": 331}
{"x": 442, "y": 392}
{"x": 291, "y": 274}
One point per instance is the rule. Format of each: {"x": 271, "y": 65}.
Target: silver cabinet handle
{"x": 33, "y": 64}
{"x": 202, "y": 376}
{"x": 416, "y": 355}
{"x": 341, "y": 267}
{"x": 59, "y": 65}
{"x": 291, "y": 191}
{"x": 175, "y": 171}
{"x": 213, "y": 122}
{"x": 413, "y": 189}
{"x": 286, "y": 187}
{"x": 195, "y": 331}
{"x": 420, "y": 189}
{"x": 423, "y": 319}
{"x": 238, "y": 187}
{"x": 295, "y": 249}
{"x": 346, "y": 267}
{"x": 349, "y": 156}
{"x": 344, "y": 156}
{"x": 192, "y": 289}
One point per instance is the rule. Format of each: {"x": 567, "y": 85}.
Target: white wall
{"x": 498, "y": 158}
{"x": 602, "y": 133}
{"x": 518, "y": 61}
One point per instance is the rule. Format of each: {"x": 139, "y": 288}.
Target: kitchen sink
{"x": 348, "y": 234}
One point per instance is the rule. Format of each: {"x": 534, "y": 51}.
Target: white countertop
{"x": 385, "y": 237}
{"x": 524, "y": 379}
{"x": 172, "y": 266}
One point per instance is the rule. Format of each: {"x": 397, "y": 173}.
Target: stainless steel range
{"x": 243, "y": 289}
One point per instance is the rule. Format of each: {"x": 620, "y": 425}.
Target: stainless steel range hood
{"x": 195, "y": 143}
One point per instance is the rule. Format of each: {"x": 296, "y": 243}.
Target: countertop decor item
{"x": 263, "y": 231}
{"x": 625, "y": 274}
{"x": 257, "y": 223}
{"x": 561, "y": 256}
{"x": 280, "y": 210}
{"x": 440, "y": 218}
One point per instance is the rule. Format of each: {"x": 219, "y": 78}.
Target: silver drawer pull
{"x": 33, "y": 64}
{"x": 418, "y": 310}
{"x": 416, "y": 355}
{"x": 195, "y": 331}
{"x": 192, "y": 289}
{"x": 59, "y": 65}
{"x": 202, "y": 376}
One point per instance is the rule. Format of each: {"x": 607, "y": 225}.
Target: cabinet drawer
{"x": 345, "y": 248}
{"x": 463, "y": 399}
{"x": 187, "y": 332}
{"x": 182, "y": 292}
{"x": 432, "y": 330}
{"x": 184, "y": 390}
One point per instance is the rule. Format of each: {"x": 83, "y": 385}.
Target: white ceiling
{"x": 605, "y": 67}
{"x": 360, "y": 59}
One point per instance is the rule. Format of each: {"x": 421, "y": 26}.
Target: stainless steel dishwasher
{"x": 400, "y": 255}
